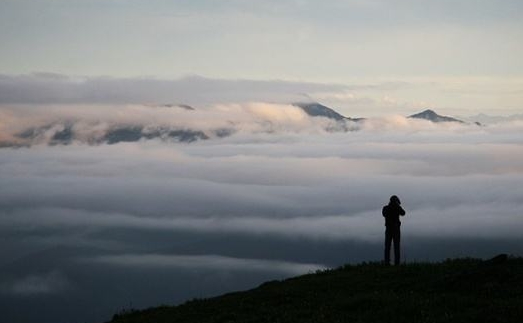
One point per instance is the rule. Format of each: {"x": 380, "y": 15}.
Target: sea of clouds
{"x": 91, "y": 229}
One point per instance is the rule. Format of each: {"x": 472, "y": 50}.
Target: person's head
{"x": 395, "y": 200}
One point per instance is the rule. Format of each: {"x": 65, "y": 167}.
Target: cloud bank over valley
{"x": 94, "y": 124}
{"x": 175, "y": 201}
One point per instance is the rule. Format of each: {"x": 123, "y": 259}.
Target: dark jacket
{"x": 392, "y": 213}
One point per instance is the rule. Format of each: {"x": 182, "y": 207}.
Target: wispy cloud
{"x": 205, "y": 262}
{"x": 50, "y": 88}
{"x": 38, "y": 284}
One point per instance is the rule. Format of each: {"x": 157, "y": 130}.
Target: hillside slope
{"x": 462, "y": 290}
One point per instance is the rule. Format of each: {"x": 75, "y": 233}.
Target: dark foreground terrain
{"x": 461, "y": 290}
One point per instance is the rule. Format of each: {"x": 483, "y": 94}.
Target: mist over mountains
{"x": 56, "y": 109}
{"x": 96, "y": 125}
{"x": 115, "y": 194}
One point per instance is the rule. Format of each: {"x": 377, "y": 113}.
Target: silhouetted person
{"x": 392, "y": 213}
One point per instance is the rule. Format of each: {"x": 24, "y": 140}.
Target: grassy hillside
{"x": 462, "y": 290}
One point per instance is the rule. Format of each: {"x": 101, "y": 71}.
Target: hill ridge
{"x": 455, "y": 290}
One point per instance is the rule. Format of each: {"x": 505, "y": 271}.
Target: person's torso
{"x": 392, "y": 215}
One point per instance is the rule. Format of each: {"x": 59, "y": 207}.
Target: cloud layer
{"x": 51, "y": 88}
{"x": 171, "y": 221}
{"x": 212, "y": 262}
{"x": 93, "y": 124}
{"x": 38, "y": 284}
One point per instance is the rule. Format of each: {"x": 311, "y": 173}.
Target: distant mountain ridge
{"x": 315, "y": 109}
{"x": 434, "y": 117}
{"x": 65, "y": 132}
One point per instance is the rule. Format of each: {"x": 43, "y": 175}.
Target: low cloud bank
{"x": 51, "y": 88}
{"x": 94, "y": 124}
{"x": 280, "y": 196}
{"x": 205, "y": 262}
{"x": 304, "y": 186}
{"x": 26, "y": 125}
{"x": 38, "y": 284}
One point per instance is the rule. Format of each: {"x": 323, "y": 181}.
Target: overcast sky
{"x": 330, "y": 40}
{"x": 454, "y": 55}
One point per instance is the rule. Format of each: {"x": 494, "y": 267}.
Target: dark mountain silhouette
{"x": 65, "y": 134}
{"x": 434, "y": 117}
{"x": 136, "y": 133}
{"x": 172, "y": 105}
{"x": 461, "y": 290}
{"x": 315, "y": 109}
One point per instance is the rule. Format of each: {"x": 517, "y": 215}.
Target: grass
{"x": 460, "y": 290}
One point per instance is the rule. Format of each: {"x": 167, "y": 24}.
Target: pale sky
{"x": 473, "y": 44}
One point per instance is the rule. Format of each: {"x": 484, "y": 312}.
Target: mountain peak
{"x": 431, "y": 115}
{"x": 429, "y": 112}
{"x": 315, "y": 109}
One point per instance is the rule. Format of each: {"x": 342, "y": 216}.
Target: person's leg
{"x": 388, "y": 241}
{"x": 397, "y": 249}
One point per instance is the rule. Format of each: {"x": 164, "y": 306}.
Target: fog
{"x": 136, "y": 224}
